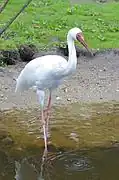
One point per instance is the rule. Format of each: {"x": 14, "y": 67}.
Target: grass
{"x": 43, "y": 22}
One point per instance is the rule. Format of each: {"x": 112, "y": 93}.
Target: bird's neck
{"x": 72, "y": 61}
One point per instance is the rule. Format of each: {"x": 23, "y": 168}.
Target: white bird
{"x": 47, "y": 72}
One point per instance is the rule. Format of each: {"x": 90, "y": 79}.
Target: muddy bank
{"x": 96, "y": 80}
{"x": 26, "y": 53}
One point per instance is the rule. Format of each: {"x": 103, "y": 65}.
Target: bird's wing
{"x": 39, "y": 70}
{"x": 50, "y": 66}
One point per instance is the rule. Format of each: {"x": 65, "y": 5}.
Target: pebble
{"x": 74, "y": 137}
{"x": 14, "y": 79}
{"x": 104, "y": 69}
{"x": 58, "y": 98}
{"x": 30, "y": 133}
{"x": 19, "y": 149}
{"x": 2, "y": 95}
{"x": 65, "y": 90}
{"x": 88, "y": 124}
{"x": 68, "y": 99}
{"x": 38, "y": 137}
{"x": 73, "y": 134}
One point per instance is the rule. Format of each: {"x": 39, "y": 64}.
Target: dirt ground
{"x": 96, "y": 80}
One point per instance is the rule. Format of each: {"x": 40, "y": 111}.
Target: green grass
{"x": 45, "y": 20}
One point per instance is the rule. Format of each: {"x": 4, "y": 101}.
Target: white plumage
{"x": 47, "y": 72}
{"x": 42, "y": 72}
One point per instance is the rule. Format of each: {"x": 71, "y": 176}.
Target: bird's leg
{"x": 49, "y": 105}
{"x": 47, "y": 113}
{"x": 41, "y": 96}
{"x": 44, "y": 130}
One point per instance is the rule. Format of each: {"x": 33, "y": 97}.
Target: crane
{"x": 48, "y": 72}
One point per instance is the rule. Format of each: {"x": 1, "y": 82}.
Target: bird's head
{"x": 77, "y": 34}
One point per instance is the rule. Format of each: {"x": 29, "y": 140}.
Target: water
{"x": 91, "y": 164}
{"x": 83, "y": 144}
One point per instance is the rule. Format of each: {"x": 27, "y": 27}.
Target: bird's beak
{"x": 80, "y": 38}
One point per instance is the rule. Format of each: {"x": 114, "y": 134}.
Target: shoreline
{"x": 96, "y": 80}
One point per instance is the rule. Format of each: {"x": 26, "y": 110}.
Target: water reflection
{"x": 93, "y": 164}
{"x": 28, "y": 171}
{"x": 25, "y": 170}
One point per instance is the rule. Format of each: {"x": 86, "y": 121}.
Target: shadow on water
{"x": 83, "y": 144}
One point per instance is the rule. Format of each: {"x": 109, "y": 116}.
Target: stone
{"x": 8, "y": 141}
{"x": 27, "y": 52}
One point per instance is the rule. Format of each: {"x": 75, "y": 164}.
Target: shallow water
{"x": 83, "y": 143}
{"x": 91, "y": 164}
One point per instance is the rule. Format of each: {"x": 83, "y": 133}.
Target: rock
{"x": 30, "y": 132}
{"x": 104, "y": 69}
{"x": 7, "y": 141}
{"x": 68, "y": 99}
{"x": 73, "y": 134}
{"x": 27, "y": 52}
{"x": 74, "y": 137}
{"x": 9, "y": 57}
{"x": 19, "y": 149}
{"x": 58, "y": 98}
{"x": 88, "y": 124}
{"x": 2, "y": 95}
{"x": 65, "y": 90}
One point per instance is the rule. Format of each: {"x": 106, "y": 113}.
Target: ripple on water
{"x": 67, "y": 164}
{"x": 77, "y": 164}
